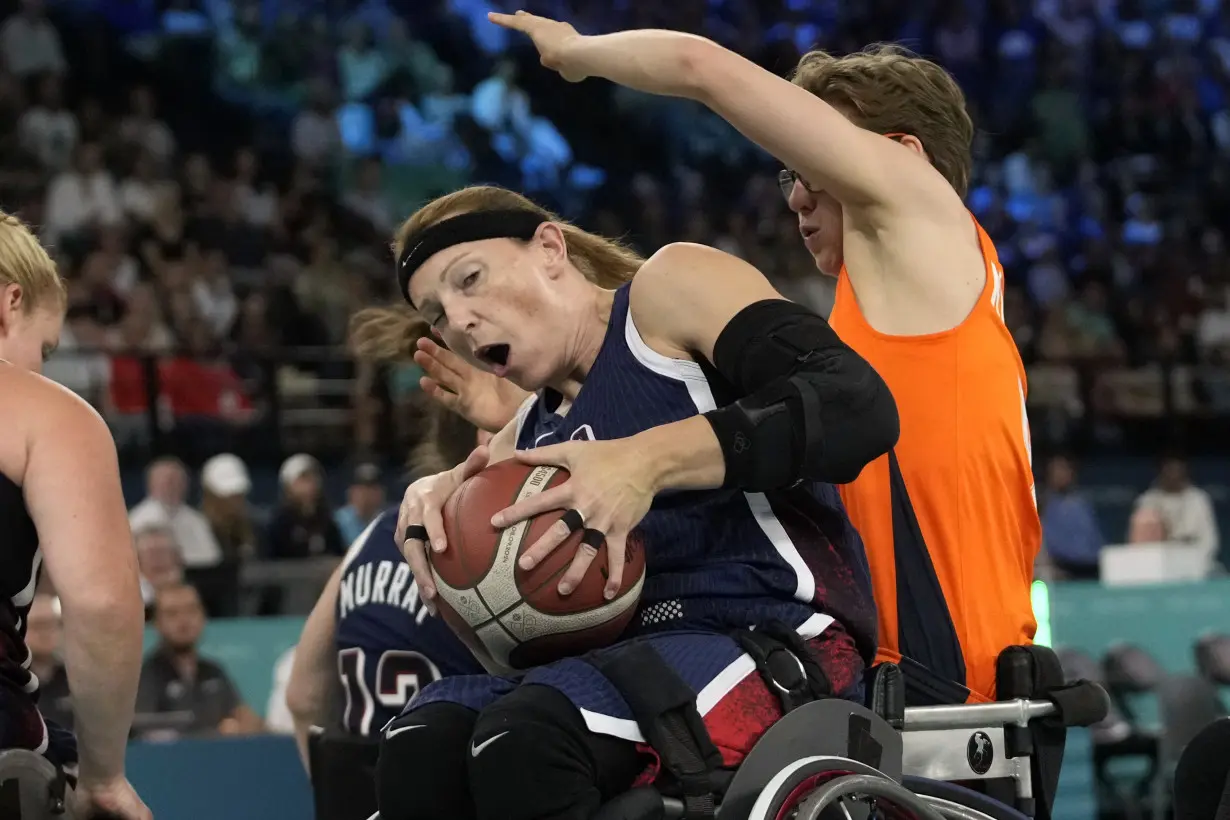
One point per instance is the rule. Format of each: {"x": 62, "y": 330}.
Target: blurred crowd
{"x": 218, "y": 180}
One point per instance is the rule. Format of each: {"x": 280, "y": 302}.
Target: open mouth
{"x": 808, "y": 231}
{"x": 494, "y": 355}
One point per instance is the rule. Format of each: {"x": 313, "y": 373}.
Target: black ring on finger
{"x": 572, "y": 520}
{"x": 593, "y": 538}
{"x": 416, "y": 532}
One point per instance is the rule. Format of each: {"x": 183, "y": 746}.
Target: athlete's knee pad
{"x": 421, "y": 773}
{"x": 532, "y": 758}
{"x": 31, "y": 788}
{"x": 343, "y": 769}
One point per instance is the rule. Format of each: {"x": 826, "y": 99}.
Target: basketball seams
{"x": 498, "y": 588}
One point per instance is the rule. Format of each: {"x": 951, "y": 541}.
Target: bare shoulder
{"x": 36, "y": 412}
{"x": 685, "y": 294}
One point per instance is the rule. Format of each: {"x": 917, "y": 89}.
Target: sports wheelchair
{"x": 831, "y": 757}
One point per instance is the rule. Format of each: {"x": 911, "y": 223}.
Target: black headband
{"x": 469, "y": 227}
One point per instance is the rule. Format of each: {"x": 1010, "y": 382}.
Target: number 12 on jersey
{"x": 394, "y": 678}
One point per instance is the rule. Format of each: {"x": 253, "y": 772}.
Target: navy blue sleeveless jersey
{"x": 716, "y": 559}
{"x": 21, "y": 725}
{"x": 388, "y": 646}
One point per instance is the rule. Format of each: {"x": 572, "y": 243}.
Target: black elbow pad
{"x": 811, "y": 407}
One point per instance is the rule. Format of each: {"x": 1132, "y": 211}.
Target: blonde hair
{"x": 389, "y": 333}
{"x": 25, "y": 262}
{"x": 888, "y": 89}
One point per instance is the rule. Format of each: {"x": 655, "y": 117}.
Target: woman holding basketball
{"x": 692, "y": 403}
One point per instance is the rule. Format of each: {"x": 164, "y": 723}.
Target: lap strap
{"x": 665, "y": 709}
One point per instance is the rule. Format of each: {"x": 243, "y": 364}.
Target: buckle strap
{"x": 665, "y": 709}
{"x": 786, "y": 664}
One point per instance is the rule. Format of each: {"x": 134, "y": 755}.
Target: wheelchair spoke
{"x": 878, "y": 787}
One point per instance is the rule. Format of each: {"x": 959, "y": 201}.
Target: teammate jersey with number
{"x": 388, "y": 645}
{"x": 718, "y": 559}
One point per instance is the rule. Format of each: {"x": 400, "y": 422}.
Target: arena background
{"x": 218, "y": 180}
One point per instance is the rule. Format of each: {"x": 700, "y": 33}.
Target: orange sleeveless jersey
{"x": 962, "y": 470}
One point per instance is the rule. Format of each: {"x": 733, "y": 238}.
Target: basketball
{"x": 518, "y": 615}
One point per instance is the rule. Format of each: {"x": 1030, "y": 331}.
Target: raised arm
{"x": 315, "y": 668}
{"x": 858, "y": 167}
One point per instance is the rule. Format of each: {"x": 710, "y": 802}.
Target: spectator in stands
{"x": 361, "y": 67}
{"x": 303, "y": 525}
{"x": 48, "y": 130}
{"x": 80, "y": 363}
{"x": 278, "y": 718}
{"x": 225, "y": 485}
{"x": 165, "y": 504}
{"x": 30, "y": 44}
{"x": 142, "y": 129}
{"x": 365, "y": 498}
{"x": 158, "y": 560}
{"x": 256, "y": 200}
{"x": 404, "y": 53}
{"x": 81, "y": 198}
{"x": 1070, "y": 530}
{"x": 1186, "y": 510}
{"x": 1146, "y": 526}
{"x": 367, "y": 200}
{"x": 141, "y": 191}
{"x": 181, "y": 692}
{"x": 315, "y": 136}
{"x": 44, "y": 637}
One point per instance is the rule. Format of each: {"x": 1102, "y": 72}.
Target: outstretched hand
{"x": 481, "y": 398}
{"x": 556, "y": 41}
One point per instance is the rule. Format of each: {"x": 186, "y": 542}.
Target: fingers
{"x": 517, "y": 22}
{"x": 442, "y": 364}
{"x": 438, "y": 394}
{"x": 410, "y": 517}
{"x": 581, "y": 562}
{"x": 555, "y": 535}
{"x": 616, "y": 554}
{"x": 434, "y": 522}
{"x": 474, "y": 463}
{"x": 415, "y": 552}
{"x": 556, "y": 498}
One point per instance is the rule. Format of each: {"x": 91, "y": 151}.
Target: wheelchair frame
{"x": 938, "y": 744}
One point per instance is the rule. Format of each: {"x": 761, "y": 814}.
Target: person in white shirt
{"x": 158, "y": 560}
{"x": 47, "y": 129}
{"x": 278, "y": 718}
{"x": 213, "y": 294}
{"x": 142, "y": 127}
{"x": 143, "y": 191}
{"x": 166, "y": 487}
{"x": 30, "y": 44}
{"x": 315, "y": 135}
{"x": 81, "y": 198}
{"x": 1186, "y": 510}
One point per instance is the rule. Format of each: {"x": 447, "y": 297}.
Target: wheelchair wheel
{"x": 810, "y": 787}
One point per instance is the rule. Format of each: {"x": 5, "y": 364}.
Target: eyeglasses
{"x": 788, "y": 176}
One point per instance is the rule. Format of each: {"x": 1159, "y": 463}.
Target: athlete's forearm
{"x": 102, "y": 655}
{"x": 649, "y": 60}
{"x": 683, "y": 455}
